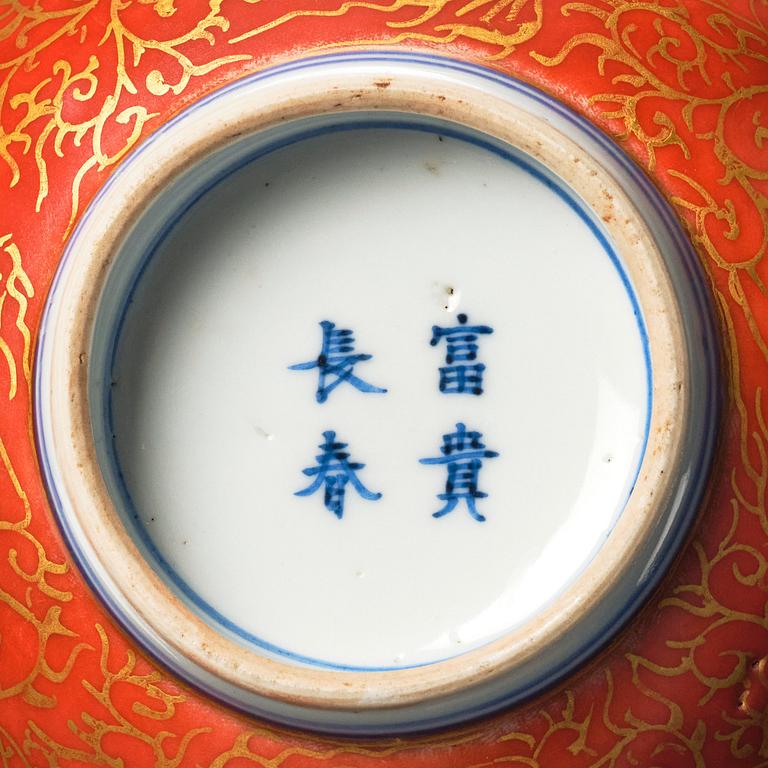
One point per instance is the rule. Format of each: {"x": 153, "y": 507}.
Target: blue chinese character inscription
{"x": 336, "y": 362}
{"x": 461, "y": 374}
{"x": 335, "y": 470}
{"x": 463, "y": 452}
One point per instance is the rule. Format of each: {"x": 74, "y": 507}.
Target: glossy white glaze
{"x": 73, "y": 373}
{"x": 373, "y": 230}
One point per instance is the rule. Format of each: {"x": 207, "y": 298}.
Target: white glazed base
{"x": 380, "y": 230}
{"x": 74, "y": 364}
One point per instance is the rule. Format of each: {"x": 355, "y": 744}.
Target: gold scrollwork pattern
{"x": 683, "y": 85}
{"x": 500, "y": 24}
{"x": 83, "y": 102}
{"x": 153, "y": 703}
{"x": 28, "y": 594}
{"x": 17, "y": 290}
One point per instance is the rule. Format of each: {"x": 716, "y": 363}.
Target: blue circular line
{"x": 691, "y": 489}
{"x": 384, "y": 123}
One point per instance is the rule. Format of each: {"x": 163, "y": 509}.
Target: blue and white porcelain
{"x": 375, "y": 392}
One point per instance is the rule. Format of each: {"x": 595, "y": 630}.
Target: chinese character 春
{"x": 336, "y": 363}
{"x": 460, "y": 375}
{"x": 335, "y": 470}
{"x": 462, "y": 453}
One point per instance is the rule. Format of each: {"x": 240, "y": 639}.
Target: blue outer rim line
{"x": 713, "y": 404}
{"x": 562, "y": 192}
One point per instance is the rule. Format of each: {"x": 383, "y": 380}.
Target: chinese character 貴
{"x": 462, "y": 453}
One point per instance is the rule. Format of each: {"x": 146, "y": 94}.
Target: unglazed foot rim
{"x": 663, "y": 273}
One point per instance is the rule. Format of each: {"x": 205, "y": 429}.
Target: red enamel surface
{"x": 682, "y": 86}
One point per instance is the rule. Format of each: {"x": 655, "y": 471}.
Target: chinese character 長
{"x": 336, "y": 363}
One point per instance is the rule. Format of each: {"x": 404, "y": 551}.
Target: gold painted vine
{"x": 700, "y": 62}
